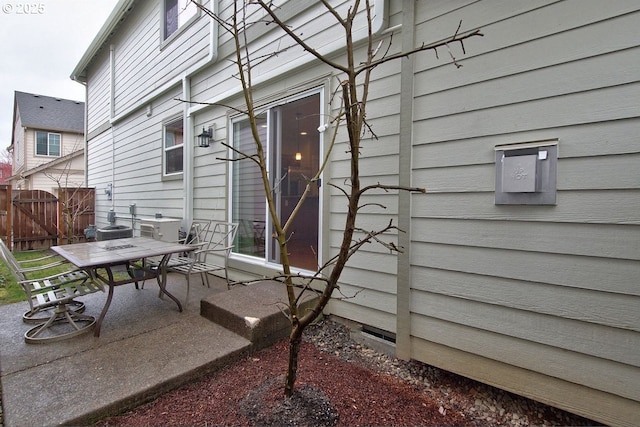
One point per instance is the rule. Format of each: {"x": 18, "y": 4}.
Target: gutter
{"x": 116, "y": 16}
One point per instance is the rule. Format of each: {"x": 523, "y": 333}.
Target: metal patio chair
{"x": 196, "y": 236}
{"x": 35, "y": 272}
{"x": 211, "y": 257}
{"x": 53, "y": 295}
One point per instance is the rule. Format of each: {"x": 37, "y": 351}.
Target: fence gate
{"x": 35, "y": 220}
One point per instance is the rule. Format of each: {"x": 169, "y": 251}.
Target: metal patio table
{"x": 99, "y": 259}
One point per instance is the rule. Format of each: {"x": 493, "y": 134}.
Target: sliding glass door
{"x": 292, "y": 142}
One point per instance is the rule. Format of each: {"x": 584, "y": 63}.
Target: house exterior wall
{"x": 517, "y": 295}
{"x": 134, "y": 82}
{"x": 539, "y": 300}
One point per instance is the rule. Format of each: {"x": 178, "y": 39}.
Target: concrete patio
{"x": 146, "y": 347}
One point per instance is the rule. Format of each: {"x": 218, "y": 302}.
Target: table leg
{"x": 96, "y": 328}
{"x": 162, "y": 280}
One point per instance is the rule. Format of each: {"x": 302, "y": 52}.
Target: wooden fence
{"x": 36, "y": 219}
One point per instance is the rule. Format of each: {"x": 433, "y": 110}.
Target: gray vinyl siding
{"x": 368, "y": 283}
{"x": 99, "y": 167}
{"x": 99, "y": 93}
{"x": 540, "y": 300}
{"x": 141, "y": 56}
{"x": 139, "y": 161}
{"x": 545, "y": 289}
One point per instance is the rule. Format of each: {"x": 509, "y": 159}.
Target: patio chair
{"x": 211, "y": 257}
{"x": 34, "y": 272}
{"x": 53, "y": 295}
{"x": 196, "y": 236}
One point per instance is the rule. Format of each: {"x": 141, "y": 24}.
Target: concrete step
{"x": 257, "y": 312}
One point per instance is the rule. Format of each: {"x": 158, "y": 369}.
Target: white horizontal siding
{"x": 98, "y": 92}
{"x": 573, "y": 174}
{"x": 564, "y": 36}
{"x": 343, "y": 307}
{"x": 595, "y": 106}
{"x": 591, "y": 339}
{"x": 141, "y": 57}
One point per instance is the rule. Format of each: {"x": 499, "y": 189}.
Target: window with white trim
{"x": 173, "y": 146}
{"x": 48, "y": 143}
{"x": 176, "y": 14}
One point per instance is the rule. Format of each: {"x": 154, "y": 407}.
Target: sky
{"x": 41, "y": 42}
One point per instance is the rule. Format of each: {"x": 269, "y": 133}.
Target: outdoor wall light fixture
{"x": 205, "y": 138}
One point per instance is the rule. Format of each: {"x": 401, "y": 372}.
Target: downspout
{"x": 189, "y": 143}
{"x": 112, "y": 113}
{"x": 403, "y": 295}
{"x": 188, "y": 153}
{"x": 86, "y": 133}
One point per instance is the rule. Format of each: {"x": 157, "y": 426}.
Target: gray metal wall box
{"x": 526, "y": 173}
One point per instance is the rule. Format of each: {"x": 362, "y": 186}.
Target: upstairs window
{"x": 176, "y": 14}
{"x": 48, "y": 144}
{"x": 173, "y": 144}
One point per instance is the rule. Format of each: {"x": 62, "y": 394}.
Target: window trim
{"x": 166, "y": 39}
{"x": 35, "y": 144}
{"x": 165, "y": 124}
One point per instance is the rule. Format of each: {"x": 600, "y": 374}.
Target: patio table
{"x": 99, "y": 259}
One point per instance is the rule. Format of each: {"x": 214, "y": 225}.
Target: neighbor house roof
{"x": 46, "y": 112}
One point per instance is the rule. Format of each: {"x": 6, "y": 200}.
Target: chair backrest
{"x": 198, "y": 232}
{"x": 11, "y": 262}
{"x": 224, "y": 233}
{"x": 33, "y": 272}
{"x": 221, "y": 238}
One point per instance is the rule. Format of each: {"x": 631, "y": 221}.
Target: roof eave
{"x": 103, "y": 35}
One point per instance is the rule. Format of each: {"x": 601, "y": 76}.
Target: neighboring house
{"x": 531, "y": 288}
{"x": 5, "y": 173}
{"x": 47, "y": 143}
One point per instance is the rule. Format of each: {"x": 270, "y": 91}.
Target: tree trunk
{"x": 295, "y": 340}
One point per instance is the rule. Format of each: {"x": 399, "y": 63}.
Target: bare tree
{"x": 350, "y": 99}
{"x": 74, "y": 201}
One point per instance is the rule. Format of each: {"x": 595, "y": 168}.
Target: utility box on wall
{"x": 165, "y": 229}
{"x": 526, "y": 173}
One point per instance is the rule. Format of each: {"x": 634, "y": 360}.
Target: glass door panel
{"x": 298, "y": 163}
{"x": 289, "y": 132}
